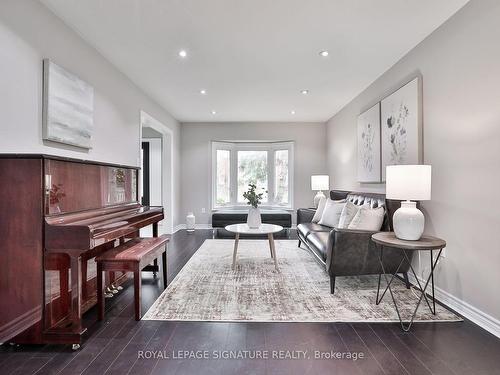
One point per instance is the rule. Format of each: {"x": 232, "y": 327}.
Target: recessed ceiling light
{"x": 292, "y": 112}
{"x": 324, "y": 53}
{"x": 183, "y": 53}
{"x": 304, "y": 92}
{"x": 214, "y": 113}
{"x": 203, "y": 92}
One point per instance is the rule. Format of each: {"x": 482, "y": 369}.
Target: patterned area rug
{"x": 206, "y": 289}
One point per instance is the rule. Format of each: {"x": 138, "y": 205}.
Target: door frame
{"x": 149, "y": 121}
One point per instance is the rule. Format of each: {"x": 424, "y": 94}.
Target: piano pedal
{"x": 109, "y": 292}
{"x": 117, "y": 288}
{"x": 108, "y": 295}
{"x": 75, "y": 346}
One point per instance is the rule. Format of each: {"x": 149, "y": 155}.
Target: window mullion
{"x": 233, "y": 178}
{"x": 270, "y": 176}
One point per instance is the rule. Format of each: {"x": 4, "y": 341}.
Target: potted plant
{"x": 253, "y": 199}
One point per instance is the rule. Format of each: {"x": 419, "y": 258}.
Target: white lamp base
{"x": 318, "y": 197}
{"x": 408, "y": 222}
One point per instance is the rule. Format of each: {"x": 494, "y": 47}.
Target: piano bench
{"x": 132, "y": 256}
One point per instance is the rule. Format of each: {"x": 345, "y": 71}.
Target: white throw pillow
{"x": 331, "y": 213}
{"x": 350, "y": 210}
{"x": 319, "y": 210}
{"x": 368, "y": 219}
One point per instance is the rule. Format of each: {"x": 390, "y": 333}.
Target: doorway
{"x": 155, "y": 178}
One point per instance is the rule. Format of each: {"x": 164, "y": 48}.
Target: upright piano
{"x": 56, "y": 215}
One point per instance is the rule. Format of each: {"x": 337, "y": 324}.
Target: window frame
{"x": 271, "y": 148}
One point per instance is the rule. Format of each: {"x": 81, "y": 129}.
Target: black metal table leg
{"x": 422, "y": 290}
{"x": 381, "y": 255}
{"x": 432, "y": 280}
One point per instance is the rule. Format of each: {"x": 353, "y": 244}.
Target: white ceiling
{"x": 253, "y": 57}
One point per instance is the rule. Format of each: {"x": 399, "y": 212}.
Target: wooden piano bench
{"x": 132, "y": 256}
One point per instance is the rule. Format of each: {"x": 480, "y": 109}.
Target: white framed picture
{"x": 369, "y": 145}
{"x": 401, "y": 134}
{"x": 68, "y": 107}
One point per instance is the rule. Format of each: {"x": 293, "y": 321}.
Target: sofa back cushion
{"x": 368, "y": 219}
{"x": 331, "y": 213}
{"x": 319, "y": 210}
{"x": 373, "y": 200}
{"x": 348, "y": 213}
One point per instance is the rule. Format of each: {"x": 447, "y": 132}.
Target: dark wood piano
{"x": 56, "y": 215}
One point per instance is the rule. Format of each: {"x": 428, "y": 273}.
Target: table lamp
{"x": 319, "y": 182}
{"x": 408, "y": 183}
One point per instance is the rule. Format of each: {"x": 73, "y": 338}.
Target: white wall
{"x": 309, "y": 154}
{"x": 460, "y": 65}
{"x": 29, "y": 32}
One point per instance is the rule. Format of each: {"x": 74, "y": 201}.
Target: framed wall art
{"x": 401, "y": 126}
{"x": 68, "y": 107}
{"x": 369, "y": 145}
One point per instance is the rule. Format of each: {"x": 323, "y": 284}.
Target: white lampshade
{"x": 320, "y": 182}
{"x": 408, "y": 182}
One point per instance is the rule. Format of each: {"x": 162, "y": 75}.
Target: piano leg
{"x": 100, "y": 293}
{"x": 83, "y": 268}
{"x": 76, "y": 297}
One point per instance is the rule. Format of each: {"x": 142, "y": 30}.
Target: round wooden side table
{"x": 425, "y": 243}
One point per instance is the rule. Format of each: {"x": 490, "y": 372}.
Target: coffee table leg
{"x": 236, "y": 240}
{"x": 273, "y": 250}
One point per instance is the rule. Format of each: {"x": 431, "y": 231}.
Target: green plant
{"x": 252, "y": 197}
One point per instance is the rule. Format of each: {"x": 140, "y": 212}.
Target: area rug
{"x": 207, "y": 289}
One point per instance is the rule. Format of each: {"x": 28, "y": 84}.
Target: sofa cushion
{"x": 368, "y": 219}
{"x": 319, "y": 211}
{"x": 318, "y": 241}
{"x": 306, "y": 228}
{"x": 331, "y": 213}
{"x": 350, "y": 210}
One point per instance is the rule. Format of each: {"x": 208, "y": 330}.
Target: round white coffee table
{"x": 268, "y": 229}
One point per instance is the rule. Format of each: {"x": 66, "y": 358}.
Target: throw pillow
{"x": 331, "y": 213}
{"x": 350, "y": 210}
{"x": 319, "y": 210}
{"x": 368, "y": 219}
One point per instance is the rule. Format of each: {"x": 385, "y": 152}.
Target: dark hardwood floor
{"x": 114, "y": 345}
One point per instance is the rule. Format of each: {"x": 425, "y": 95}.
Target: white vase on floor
{"x": 190, "y": 222}
{"x": 254, "y": 220}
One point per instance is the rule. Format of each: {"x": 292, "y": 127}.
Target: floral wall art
{"x": 401, "y": 126}
{"x": 369, "y": 145}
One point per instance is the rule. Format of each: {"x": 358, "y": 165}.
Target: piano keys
{"x": 56, "y": 215}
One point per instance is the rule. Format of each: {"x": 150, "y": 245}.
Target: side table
{"x": 425, "y": 243}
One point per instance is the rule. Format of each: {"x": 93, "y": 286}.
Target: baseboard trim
{"x": 468, "y": 311}
{"x": 178, "y": 228}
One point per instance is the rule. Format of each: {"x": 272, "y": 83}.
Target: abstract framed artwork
{"x": 401, "y": 134}
{"x": 369, "y": 145}
{"x": 68, "y": 107}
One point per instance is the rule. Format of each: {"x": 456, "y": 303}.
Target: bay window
{"x": 268, "y": 165}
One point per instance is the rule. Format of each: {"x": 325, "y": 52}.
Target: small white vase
{"x": 190, "y": 222}
{"x": 254, "y": 220}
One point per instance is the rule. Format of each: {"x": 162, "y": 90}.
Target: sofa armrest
{"x": 305, "y": 215}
